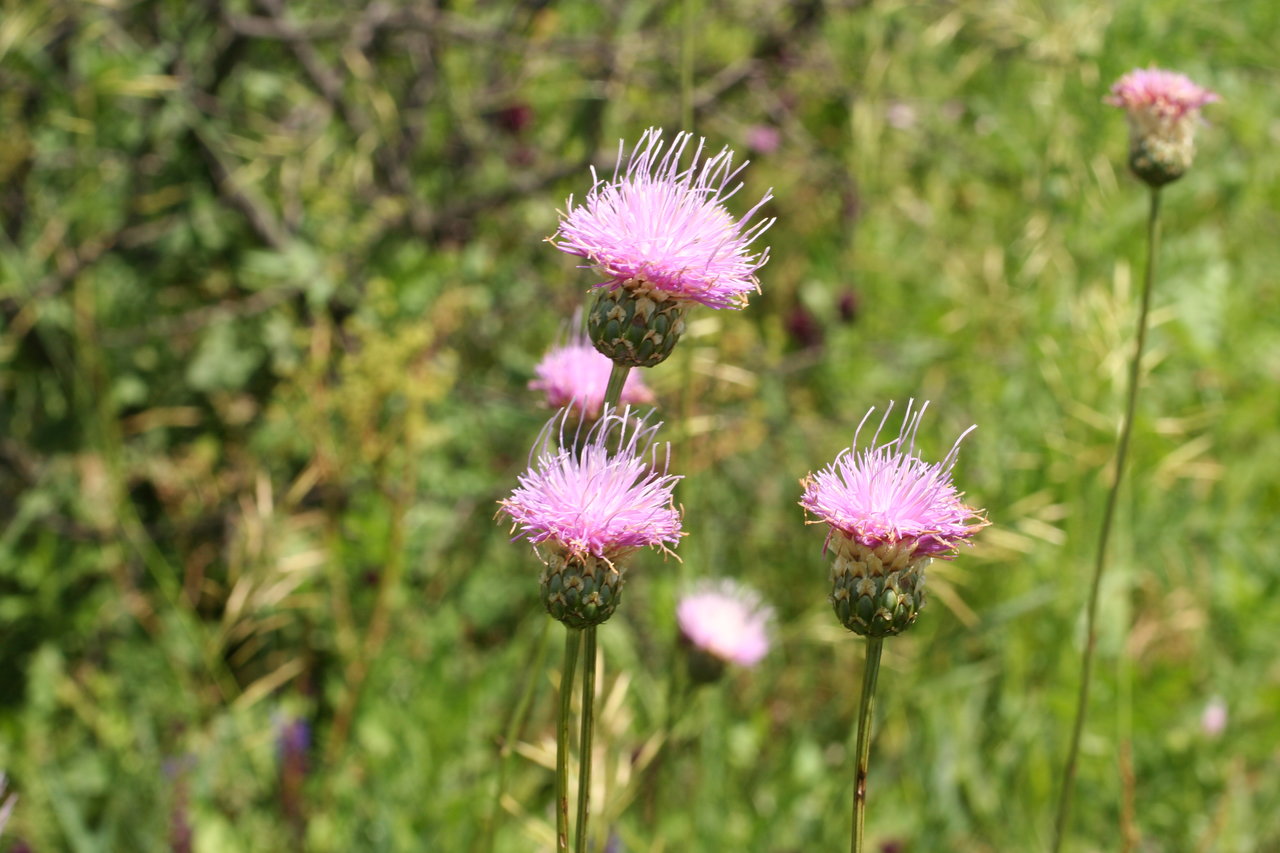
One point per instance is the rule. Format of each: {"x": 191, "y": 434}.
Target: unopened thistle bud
{"x": 588, "y": 510}
{"x": 1163, "y": 109}
{"x": 889, "y": 513}
{"x": 662, "y": 236}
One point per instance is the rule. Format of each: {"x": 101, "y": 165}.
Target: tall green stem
{"x": 869, "y": 675}
{"x": 572, "y": 640}
{"x": 1108, "y": 515}
{"x": 588, "y": 721}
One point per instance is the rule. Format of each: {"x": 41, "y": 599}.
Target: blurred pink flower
{"x": 606, "y": 499}
{"x": 726, "y": 620}
{"x": 576, "y": 374}
{"x": 1165, "y": 93}
{"x": 1214, "y": 719}
{"x": 660, "y": 231}
{"x": 1163, "y": 109}
{"x": 885, "y": 494}
{"x": 763, "y": 138}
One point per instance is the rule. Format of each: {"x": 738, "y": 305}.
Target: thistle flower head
{"x": 661, "y": 230}
{"x": 1163, "y": 108}
{"x": 888, "y": 513}
{"x": 606, "y": 499}
{"x": 574, "y": 375}
{"x": 885, "y": 494}
{"x": 727, "y": 620}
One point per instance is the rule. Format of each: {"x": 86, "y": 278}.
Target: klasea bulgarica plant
{"x": 888, "y": 513}
{"x": 588, "y": 510}
{"x": 660, "y": 234}
{"x": 1163, "y": 108}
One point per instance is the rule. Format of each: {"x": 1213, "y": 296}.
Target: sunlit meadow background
{"x": 272, "y": 284}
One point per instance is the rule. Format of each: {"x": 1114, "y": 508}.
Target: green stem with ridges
{"x": 584, "y": 749}
{"x": 572, "y": 640}
{"x": 869, "y": 675}
{"x": 1108, "y": 514}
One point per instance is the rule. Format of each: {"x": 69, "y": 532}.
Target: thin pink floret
{"x": 727, "y": 620}
{"x": 607, "y": 500}
{"x": 885, "y": 493}
{"x": 656, "y": 226}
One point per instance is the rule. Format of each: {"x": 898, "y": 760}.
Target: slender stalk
{"x": 511, "y": 734}
{"x": 572, "y": 640}
{"x": 1108, "y": 515}
{"x": 584, "y": 750}
{"x": 617, "y": 378}
{"x": 870, "y": 673}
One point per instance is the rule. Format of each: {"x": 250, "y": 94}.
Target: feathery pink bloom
{"x": 1166, "y": 93}
{"x": 886, "y": 494}
{"x": 727, "y": 620}
{"x": 576, "y": 374}
{"x": 656, "y": 228}
{"x": 606, "y": 500}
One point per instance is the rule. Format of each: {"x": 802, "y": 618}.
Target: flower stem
{"x": 869, "y": 674}
{"x": 1108, "y": 514}
{"x": 584, "y": 750}
{"x": 572, "y": 640}
{"x": 617, "y": 378}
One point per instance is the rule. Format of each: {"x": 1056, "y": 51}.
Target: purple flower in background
{"x": 575, "y": 374}
{"x": 727, "y": 620}
{"x": 661, "y": 230}
{"x": 763, "y": 138}
{"x": 1163, "y": 108}
{"x": 886, "y": 494}
{"x": 606, "y": 500}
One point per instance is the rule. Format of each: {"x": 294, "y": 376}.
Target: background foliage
{"x": 272, "y": 284}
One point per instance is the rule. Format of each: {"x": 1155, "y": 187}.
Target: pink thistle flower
{"x": 1163, "y": 109}
{"x": 576, "y": 375}
{"x": 888, "y": 513}
{"x": 727, "y": 620}
{"x": 661, "y": 231}
{"x": 886, "y": 495}
{"x": 605, "y": 500}
{"x": 1166, "y": 93}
